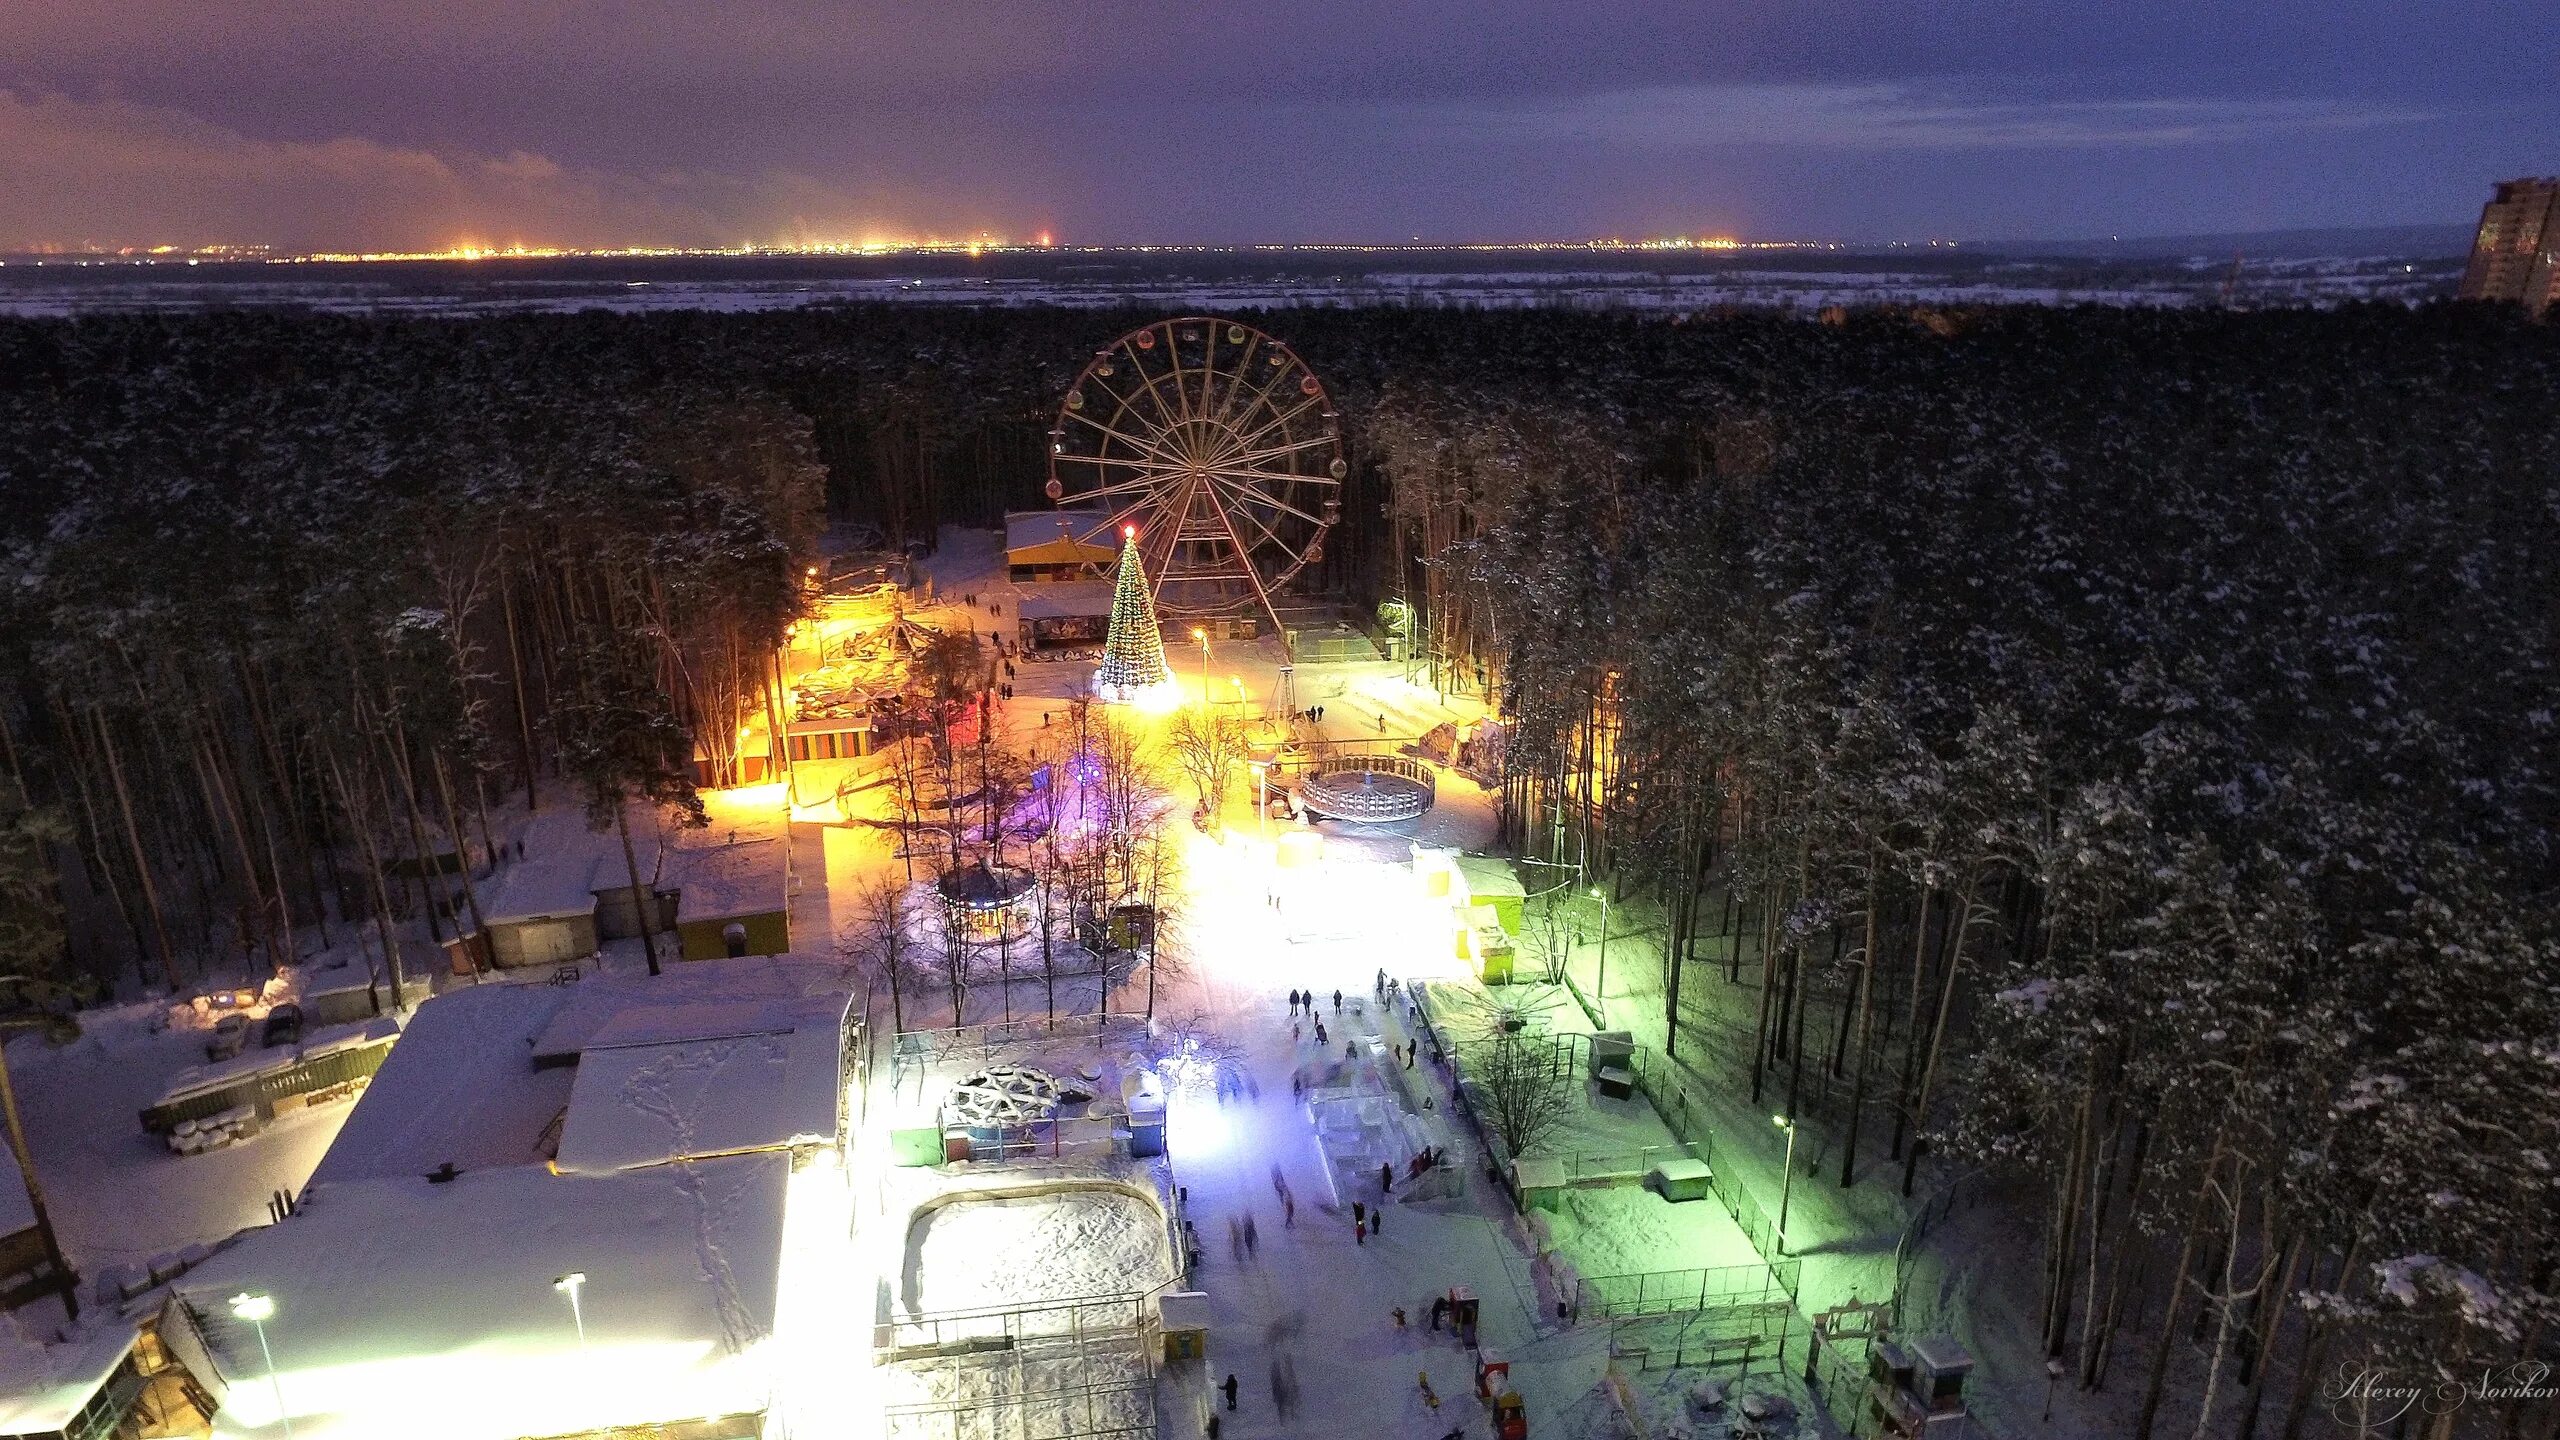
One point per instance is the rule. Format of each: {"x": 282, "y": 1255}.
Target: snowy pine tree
{"x": 1133, "y": 668}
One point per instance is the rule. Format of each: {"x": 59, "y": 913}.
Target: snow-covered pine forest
{"x": 2113, "y": 751}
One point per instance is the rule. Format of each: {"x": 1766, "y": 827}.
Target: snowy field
{"x": 1628, "y": 1230}
{"x": 1014, "y": 1252}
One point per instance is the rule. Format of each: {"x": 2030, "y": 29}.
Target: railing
{"x": 1047, "y": 1140}
{"x": 1682, "y": 1292}
{"x": 1322, "y": 792}
{"x": 1727, "y": 1356}
{"x": 1754, "y": 1222}
{"x": 1057, "y": 1323}
{"x": 1584, "y": 1166}
{"x": 917, "y": 1048}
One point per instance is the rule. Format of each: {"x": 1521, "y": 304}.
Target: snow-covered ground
{"x": 118, "y": 1195}
{"x": 1022, "y": 1251}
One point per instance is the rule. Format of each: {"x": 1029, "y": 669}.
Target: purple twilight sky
{"x": 372, "y": 124}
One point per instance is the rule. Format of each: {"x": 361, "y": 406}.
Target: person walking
{"x": 1359, "y": 1232}
{"x": 1337, "y": 1002}
{"x": 1430, "y": 1397}
{"x": 1378, "y": 1221}
{"x": 1230, "y": 1388}
{"x": 1439, "y": 1310}
{"x": 1386, "y": 1178}
{"x": 1359, "y": 1209}
{"x": 1408, "y": 1053}
{"x": 1252, "y": 1237}
{"x": 1398, "y": 1312}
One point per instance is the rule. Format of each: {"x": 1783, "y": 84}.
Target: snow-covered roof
{"x": 461, "y": 1086}
{"x": 544, "y": 886}
{"x": 725, "y": 881}
{"x": 706, "y": 1000}
{"x": 1072, "y": 532}
{"x": 641, "y": 1105}
{"x": 43, "y": 1386}
{"x": 1489, "y": 876}
{"x": 406, "y": 1308}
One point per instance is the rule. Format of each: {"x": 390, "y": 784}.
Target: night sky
{"x": 421, "y": 124}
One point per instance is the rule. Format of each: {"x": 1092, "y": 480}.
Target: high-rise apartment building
{"x": 2516, "y": 255}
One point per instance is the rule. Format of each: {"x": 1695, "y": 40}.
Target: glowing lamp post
{"x": 257, "y": 1310}
{"x": 1786, "y": 1180}
{"x": 1600, "y": 997}
{"x": 1203, "y": 637}
{"x": 569, "y": 1285}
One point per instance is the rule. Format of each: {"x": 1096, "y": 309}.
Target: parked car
{"x": 283, "y": 1027}
{"x": 230, "y": 1034}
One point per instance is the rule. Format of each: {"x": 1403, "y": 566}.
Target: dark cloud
{"x": 652, "y": 121}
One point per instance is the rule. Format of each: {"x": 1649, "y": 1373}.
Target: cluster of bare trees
{"x": 1064, "y": 826}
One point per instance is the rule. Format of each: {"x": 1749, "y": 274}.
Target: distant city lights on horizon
{"x": 1044, "y": 242}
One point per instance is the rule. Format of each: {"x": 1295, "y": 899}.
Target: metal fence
{"x": 1060, "y": 1322}
{"x": 1679, "y": 1292}
{"x": 1733, "y": 1344}
{"x": 1037, "y": 1382}
{"x": 1583, "y": 1167}
{"x": 916, "y": 1051}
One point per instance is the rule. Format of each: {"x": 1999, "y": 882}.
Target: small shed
{"x": 542, "y": 911}
{"x": 1686, "y": 1178}
{"x": 829, "y": 736}
{"x": 1184, "y": 1317}
{"x": 733, "y": 898}
{"x": 1490, "y": 881}
{"x": 1540, "y": 1182}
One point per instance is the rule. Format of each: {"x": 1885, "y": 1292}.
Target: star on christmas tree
{"x": 1133, "y": 670}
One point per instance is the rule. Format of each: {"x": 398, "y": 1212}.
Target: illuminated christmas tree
{"x": 1133, "y": 671}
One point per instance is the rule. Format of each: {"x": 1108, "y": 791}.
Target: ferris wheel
{"x": 1218, "y": 446}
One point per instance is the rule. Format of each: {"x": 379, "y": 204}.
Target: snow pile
{"x": 1018, "y": 1251}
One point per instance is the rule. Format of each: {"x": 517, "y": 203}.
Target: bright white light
{"x": 253, "y": 1308}
{"x": 568, "y": 1284}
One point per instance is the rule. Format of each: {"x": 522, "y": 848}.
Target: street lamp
{"x": 1601, "y": 999}
{"x": 1787, "y": 1179}
{"x": 569, "y": 1285}
{"x": 257, "y": 1310}
{"x": 1203, "y": 637}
